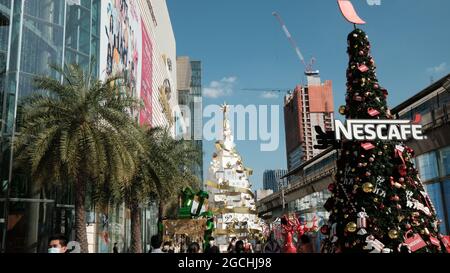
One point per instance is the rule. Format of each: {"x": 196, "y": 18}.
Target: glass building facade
{"x": 190, "y": 96}
{"x": 434, "y": 168}
{"x": 197, "y": 112}
{"x": 35, "y": 34}
{"x": 433, "y": 155}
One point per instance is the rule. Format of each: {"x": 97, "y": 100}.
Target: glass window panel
{"x": 434, "y": 191}
{"x": 445, "y": 161}
{"x": 446, "y": 186}
{"x": 427, "y": 164}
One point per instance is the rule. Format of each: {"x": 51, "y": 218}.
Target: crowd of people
{"x": 236, "y": 246}
{"x": 58, "y": 244}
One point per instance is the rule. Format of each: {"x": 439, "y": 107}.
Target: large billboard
{"x": 122, "y": 48}
{"x": 147, "y": 74}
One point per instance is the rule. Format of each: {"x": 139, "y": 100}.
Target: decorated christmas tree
{"x": 378, "y": 202}
{"x": 230, "y": 196}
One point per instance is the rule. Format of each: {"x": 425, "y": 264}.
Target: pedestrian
{"x": 156, "y": 244}
{"x": 212, "y": 248}
{"x": 193, "y": 247}
{"x": 231, "y": 246}
{"x": 239, "y": 248}
{"x": 258, "y": 246}
{"x": 57, "y": 244}
{"x": 115, "y": 248}
{"x": 272, "y": 245}
{"x": 248, "y": 248}
{"x": 305, "y": 244}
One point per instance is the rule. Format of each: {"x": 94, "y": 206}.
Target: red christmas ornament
{"x": 332, "y": 187}
{"x": 325, "y": 230}
{"x": 373, "y": 112}
{"x": 363, "y": 68}
{"x": 395, "y": 198}
{"x": 357, "y": 98}
{"x": 367, "y": 146}
{"x": 402, "y": 170}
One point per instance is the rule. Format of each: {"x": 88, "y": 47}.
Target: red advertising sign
{"x": 147, "y": 75}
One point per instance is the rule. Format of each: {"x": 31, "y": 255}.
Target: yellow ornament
{"x": 345, "y": 216}
{"x": 342, "y": 110}
{"x": 368, "y": 187}
{"x": 351, "y": 227}
{"x": 393, "y": 234}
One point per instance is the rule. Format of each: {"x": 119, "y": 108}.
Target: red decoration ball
{"x": 332, "y": 187}
{"x": 325, "y": 230}
{"x": 376, "y": 86}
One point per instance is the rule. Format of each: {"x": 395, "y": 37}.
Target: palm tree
{"x": 162, "y": 172}
{"x": 79, "y": 131}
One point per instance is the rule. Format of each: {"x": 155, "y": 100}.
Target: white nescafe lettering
{"x": 378, "y": 129}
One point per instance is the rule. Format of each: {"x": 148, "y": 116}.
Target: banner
{"x": 121, "y": 43}
{"x": 145, "y": 117}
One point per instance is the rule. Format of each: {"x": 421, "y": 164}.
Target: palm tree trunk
{"x": 80, "y": 215}
{"x": 160, "y": 217}
{"x": 136, "y": 235}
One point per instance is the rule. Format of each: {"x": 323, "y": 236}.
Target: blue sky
{"x": 241, "y": 45}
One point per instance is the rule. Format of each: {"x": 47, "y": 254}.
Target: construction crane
{"x": 269, "y": 90}
{"x": 309, "y": 71}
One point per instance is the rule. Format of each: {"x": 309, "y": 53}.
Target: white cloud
{"x": 221, "y": 88}
{"x": 437, "y": 69}
{"x": 269, "y": 95}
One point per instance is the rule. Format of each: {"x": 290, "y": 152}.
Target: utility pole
{"x": 283, "y": 200}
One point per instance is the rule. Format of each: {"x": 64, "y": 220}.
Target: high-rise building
{"x": 189, "y": 78}
{"x": 134, "y": 38}
{"x": 272, "y": 180}
{"x": 305, "y": 108}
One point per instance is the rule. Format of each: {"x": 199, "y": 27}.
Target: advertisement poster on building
{"x": 147, "y": 74}
{"x": 121, "y": 43}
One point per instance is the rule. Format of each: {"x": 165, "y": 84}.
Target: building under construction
{"x": 304, "y": 108}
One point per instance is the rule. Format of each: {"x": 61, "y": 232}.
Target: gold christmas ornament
{"x": 368, "y": 187}
{"x": 351, "y": 227}
{"x": 342, "y": 110}
{"x": 393, "y": 234}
